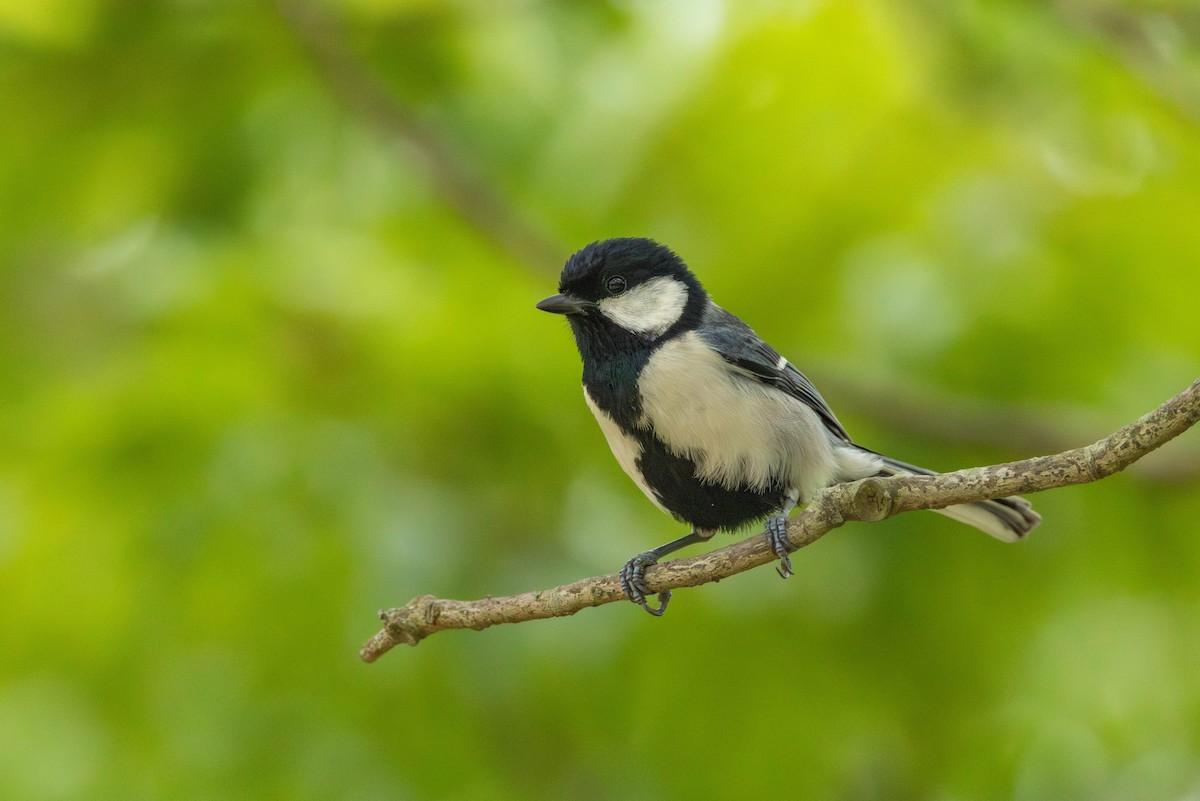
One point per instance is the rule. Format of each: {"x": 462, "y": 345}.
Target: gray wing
{"x": 741, "y": 347}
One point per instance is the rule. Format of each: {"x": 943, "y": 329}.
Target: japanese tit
{"x": 711, "y": 423}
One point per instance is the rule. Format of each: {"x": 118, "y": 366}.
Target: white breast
{"x": 739, "y": 431}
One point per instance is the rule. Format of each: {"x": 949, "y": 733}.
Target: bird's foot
{"x": 777, "y": 538}
{"x": 633, "y": 582}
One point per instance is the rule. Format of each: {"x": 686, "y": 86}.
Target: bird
{"x": 710, "y": 422}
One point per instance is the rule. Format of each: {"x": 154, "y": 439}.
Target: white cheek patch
{"x": 650, "y": 308}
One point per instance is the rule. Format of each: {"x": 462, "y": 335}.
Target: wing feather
{"x": 737, "y": 343}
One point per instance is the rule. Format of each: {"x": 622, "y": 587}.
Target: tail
{"x": 1007, "y": 519}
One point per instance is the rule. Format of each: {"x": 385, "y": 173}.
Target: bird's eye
{"x": 615, "y": 285}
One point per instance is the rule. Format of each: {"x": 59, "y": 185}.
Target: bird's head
{"x": 627, "y": 293}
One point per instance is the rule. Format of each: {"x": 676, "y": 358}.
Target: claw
{"x": 663, "y": 599}
{"x": 777, "y": 538}
{"x": 633, "y": 574}
{"x": 633, "y": 582}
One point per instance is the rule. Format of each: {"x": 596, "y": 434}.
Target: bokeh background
{"x": 269, "y": 362}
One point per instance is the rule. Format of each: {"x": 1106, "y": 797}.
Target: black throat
{"x": 614, "y": 357}
{"x": 612, "y": 360}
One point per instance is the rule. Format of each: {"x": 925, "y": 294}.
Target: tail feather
{"x": 1007, "y": 519}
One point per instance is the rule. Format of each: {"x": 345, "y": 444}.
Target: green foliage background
{"x": 268, "y": 364}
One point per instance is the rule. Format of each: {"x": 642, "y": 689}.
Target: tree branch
{"x": 930, "y": 414}
{"x": 868, "y": 499}
{"x": 446, "y": 165}
{"x": 1153, "y": 44}
{"x": 492, "y": 213}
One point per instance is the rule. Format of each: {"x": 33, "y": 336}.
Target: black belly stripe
{"x": 702, "y": 504}
{"x": 610, "y": 377}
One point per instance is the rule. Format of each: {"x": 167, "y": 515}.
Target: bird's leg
{"x": 633, "y": 574}
{"x": 777, "y": 536}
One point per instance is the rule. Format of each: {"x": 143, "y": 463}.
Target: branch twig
{"x": 868, "y": 499}
{"x": 446, "y": 166}
{"x": 930, "y": 414}
{"x": 492, "y": 213}
{"x": 1152, "y": 43}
